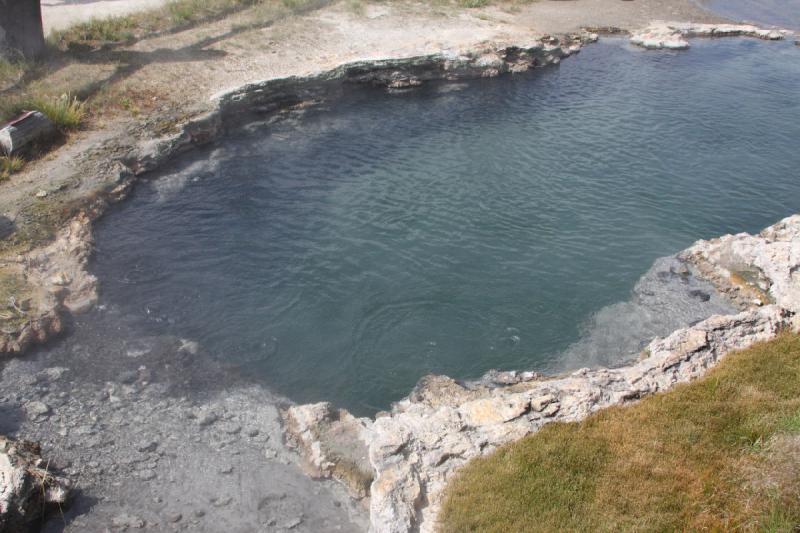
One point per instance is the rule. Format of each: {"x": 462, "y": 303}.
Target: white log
{"x": 24, "y": 130}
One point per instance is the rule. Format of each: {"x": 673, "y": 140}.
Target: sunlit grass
{"x": 173, "y": 15}
{"x": 702, "y": 457}
{"x": 65, "y": 111}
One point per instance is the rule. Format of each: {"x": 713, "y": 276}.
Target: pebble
{"x": 222, "y": 502}
{"x": 146, "y": 475}
{"x": 232, "y": 429}
{"x": 37, "y": 409}
{"x": 125, "y": 520}
{"x": 147, "y": 446}
{"x": 128, "y": 376}
{"x": 53, "y": 373}
{"x": 207, "y": 418}
{"x": 293, "y": 522}
{"x": 174, "y": 517}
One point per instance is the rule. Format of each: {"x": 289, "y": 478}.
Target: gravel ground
{"x": 161, "y": 438}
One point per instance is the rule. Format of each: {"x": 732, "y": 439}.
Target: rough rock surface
{"x": 675, "y": 35}
{"x": 59, "y": 280}
{"x": 334, "y": 442}
{"x": 417, "y": 447}
{"x": 29, "y": 488}
{"x": 485, "y": 61}
{"x": 753, "y": 269}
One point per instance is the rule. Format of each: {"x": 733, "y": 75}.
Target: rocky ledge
{"x": 29, "y": 489}
{"x": 674, "y": 35}
{"x": 415, "y": 449}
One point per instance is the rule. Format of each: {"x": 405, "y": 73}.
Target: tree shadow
{"x": 7, "y": 227}
{"x": 80, "y": 504}
{"x": 11, "y": 418}
{"x": 130, "y": 61}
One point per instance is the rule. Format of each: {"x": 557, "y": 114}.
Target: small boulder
{"x": 21, "y": 132}
{"x": 37, "y": 409}
{"x": 28, "y": 492}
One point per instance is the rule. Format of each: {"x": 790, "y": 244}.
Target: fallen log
{"x": 24, "y": 130}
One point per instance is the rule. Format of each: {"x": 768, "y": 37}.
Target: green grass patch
{"x": 65, "y": 111}
{"x": 692, "y": 459}
{"x": 11, "y": 71}
{"x": 14, "y": 292}
{"x": 473, "y": 3}
{"x": 792, "y": 423}
{"x": 10, "y": 164}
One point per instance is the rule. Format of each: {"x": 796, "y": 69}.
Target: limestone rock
{"x": 753, "y": 269}
{"x": 495, "y": 410}
{"x": 28, "y": 490}
{"x": 674, "y": 35}
{"x": 333, "y": 443}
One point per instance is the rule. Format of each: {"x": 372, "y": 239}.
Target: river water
{"x": 502, "y": 223}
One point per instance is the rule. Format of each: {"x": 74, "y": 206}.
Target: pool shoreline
{"x": 403, "y": 497}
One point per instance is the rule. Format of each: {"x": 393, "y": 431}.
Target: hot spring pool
{"x": 453, "y": 229}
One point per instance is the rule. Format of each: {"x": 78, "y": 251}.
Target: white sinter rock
{"x": 674, "y": 35}
{"x": 28, "y": 488}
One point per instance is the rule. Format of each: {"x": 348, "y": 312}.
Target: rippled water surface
{"x": 456, "y": 228}
{"x": 782, "y": 13}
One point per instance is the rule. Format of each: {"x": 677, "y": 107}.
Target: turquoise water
{"x": 505, "y": 223}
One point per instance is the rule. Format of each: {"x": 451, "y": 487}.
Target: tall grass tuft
{"x": 66, "y": 111}
{"x": 9, "y": 164}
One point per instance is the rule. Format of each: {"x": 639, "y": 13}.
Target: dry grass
{"x": 11, "y": 72}
{"x": 10, "y": 164}
{"x": 66, "y": 111}
{"x": 679, "y": 461}
{"x": 175, "y": 15}
{"x": 182, "y": 14}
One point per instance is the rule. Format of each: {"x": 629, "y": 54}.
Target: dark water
{"x": 499, "y": 224}
{"x": 781, "y": 13}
